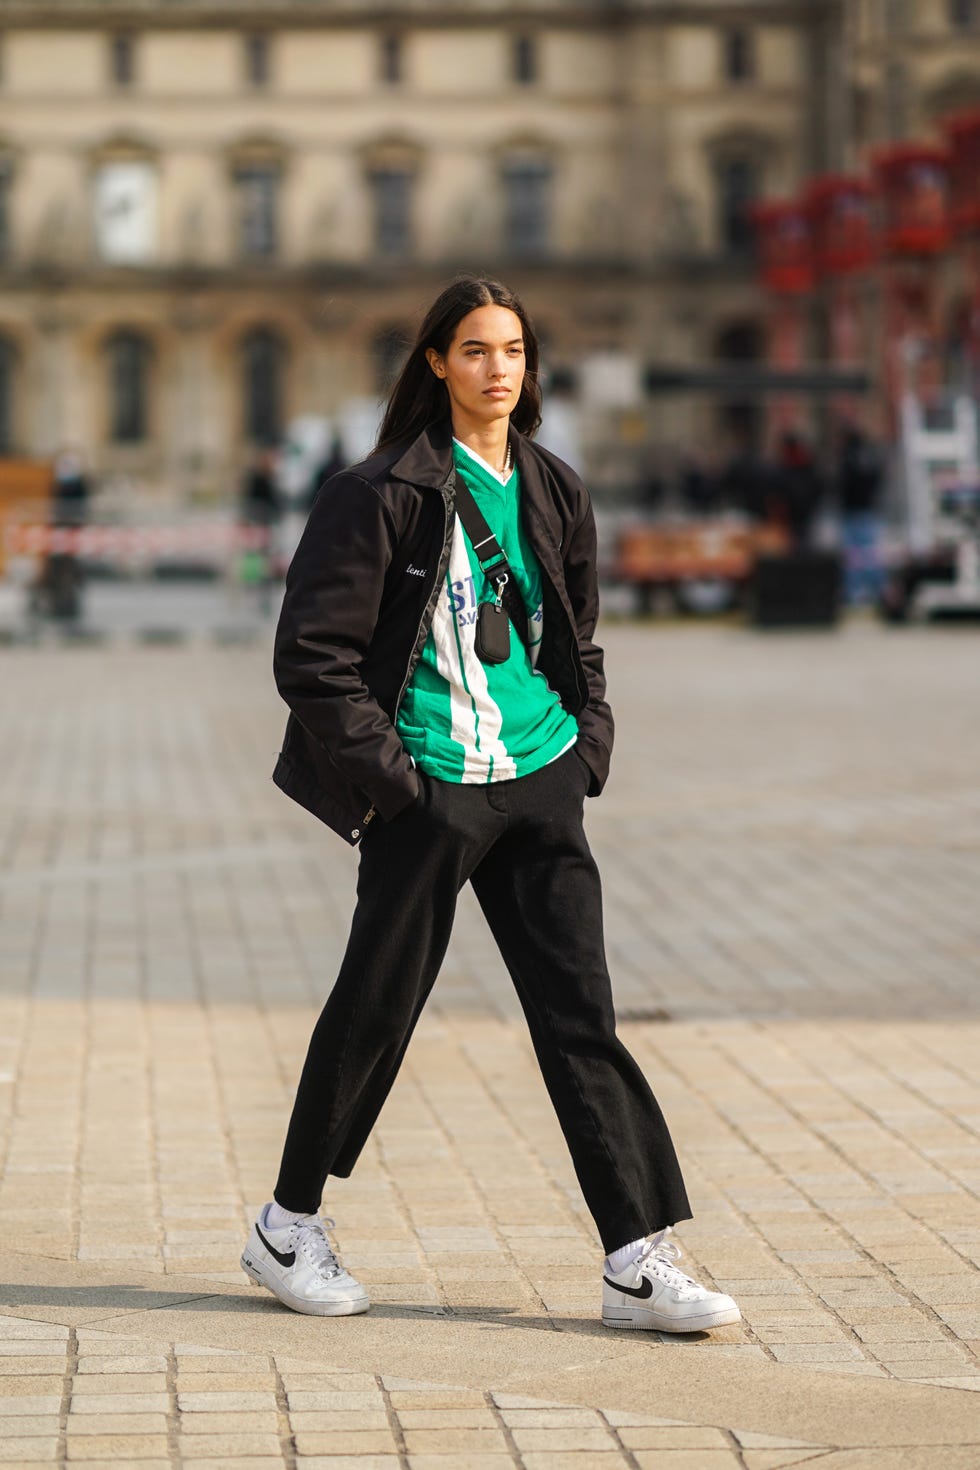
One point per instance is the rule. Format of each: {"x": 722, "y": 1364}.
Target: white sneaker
{"x": 652, "y": 1293}
{"x": 297, "y": 1264}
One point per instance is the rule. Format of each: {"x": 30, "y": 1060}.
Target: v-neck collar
{"x": 485, "y": 464}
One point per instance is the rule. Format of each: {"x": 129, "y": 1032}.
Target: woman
{"x": 453, "y": 731}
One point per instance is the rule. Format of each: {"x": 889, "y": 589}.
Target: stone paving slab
{"x": 789, "y": 846}
{"x": 530, "y": 1354}
{"x": 400, "y": 1417}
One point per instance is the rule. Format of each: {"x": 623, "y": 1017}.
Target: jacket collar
{"x": 428, "y": 460}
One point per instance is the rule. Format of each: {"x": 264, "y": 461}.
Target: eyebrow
{"x": 476, "y": 342}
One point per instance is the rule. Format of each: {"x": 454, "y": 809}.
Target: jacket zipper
{"x": 425, "y": 622}
{"x": 581, "y": 682}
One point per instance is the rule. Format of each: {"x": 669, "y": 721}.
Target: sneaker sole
{"x": 650, "y": 1322}
{"x": 350, "y": 1308}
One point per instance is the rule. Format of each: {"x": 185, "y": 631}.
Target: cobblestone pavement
{"x": 789, "y": 847}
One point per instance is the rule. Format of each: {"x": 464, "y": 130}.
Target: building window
{"x": 8, "y": 363}
{"x": 257, "y": 60}
{"x": 257, "y": 187}
{"x": 391, "y": 59}
{"x": 737, "y": 184}
{"x": 128, "y": 358}
{"x": 122, "y": 60}
{"x": 262, "y": 374}
{"x": 126, "y": 211}
{"x": 739, "y": 55}
{"x": 392, "y": 190}
{"x": 527, "y": 208}
{"x": 525, "y": 60}
{"x": 962, "y": 14}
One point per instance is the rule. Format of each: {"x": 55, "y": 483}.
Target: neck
{"x": 489, "y": 441}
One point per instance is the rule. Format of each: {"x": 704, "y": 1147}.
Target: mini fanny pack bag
{"x": 492, "y": 639}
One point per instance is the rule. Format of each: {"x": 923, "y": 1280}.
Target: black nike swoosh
{"x": 643, "y": 1291}
{"x": 288, "y": 1258}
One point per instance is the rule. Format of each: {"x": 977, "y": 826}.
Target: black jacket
{"x": 361, "y": 592}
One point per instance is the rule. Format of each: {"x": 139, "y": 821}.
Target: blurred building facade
{"x": 214, "y": 218}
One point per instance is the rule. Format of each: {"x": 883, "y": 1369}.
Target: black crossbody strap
{"x": 493, "y": 562}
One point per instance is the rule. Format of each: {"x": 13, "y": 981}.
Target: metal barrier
{"x": 22, "y": 539}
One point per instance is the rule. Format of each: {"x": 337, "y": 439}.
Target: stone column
{"x": 50, "y": 427}
{"x": 191, "y": 428}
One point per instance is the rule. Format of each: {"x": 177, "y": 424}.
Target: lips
{"x": 496, "y": 392}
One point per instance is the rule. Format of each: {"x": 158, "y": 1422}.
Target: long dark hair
{"x": 420, "y": 399}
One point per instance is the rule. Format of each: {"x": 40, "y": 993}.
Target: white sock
{"x": 277, "y": 1218}
{"x": 617, "y": 1261}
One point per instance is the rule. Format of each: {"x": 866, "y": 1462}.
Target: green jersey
{"x": 462, "y": 720}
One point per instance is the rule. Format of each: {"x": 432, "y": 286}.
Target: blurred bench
{"x": 25, "y": 494}
{"x": 668, "y": 558}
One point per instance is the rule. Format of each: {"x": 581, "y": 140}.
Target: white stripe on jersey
{"x": 479, "y": 713}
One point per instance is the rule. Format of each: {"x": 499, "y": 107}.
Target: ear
{"x": 435, "y": 361}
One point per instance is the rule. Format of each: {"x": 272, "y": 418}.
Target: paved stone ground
{"x": 790, "y": 855}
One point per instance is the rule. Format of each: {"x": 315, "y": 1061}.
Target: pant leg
{"x": 539, "y": 889}
{"x": 411, "y": 871}
{"x": 862, "y": 565}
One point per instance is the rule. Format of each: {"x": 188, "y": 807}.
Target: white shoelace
{"x": 659, "y": 1258}
{"x": 311, "y": 1239}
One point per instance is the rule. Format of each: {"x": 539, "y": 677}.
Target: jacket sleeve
{"x": 582, "y": 585}
{"x": 333, "y": 593}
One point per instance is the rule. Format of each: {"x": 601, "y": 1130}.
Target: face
{"x": 483, "y": 368}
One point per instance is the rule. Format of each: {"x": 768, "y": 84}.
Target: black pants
{"x": 522, "y": 846}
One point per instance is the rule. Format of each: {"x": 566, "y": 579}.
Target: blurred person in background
{"x": 260, "y": 493}
{"x": 261, "y": 510}
{"x": 448, "y": 714}
{"x": 330, "y": 465}
{"x": 58, "y": 591}
{"x": 795, "y": 488}
{"x": 653, "y": 488}
{"x": 69, "y": 489}
{"x": 745, "y": 481}
{"x": 860, "y": 480}
{"x": 698, "y": 486}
